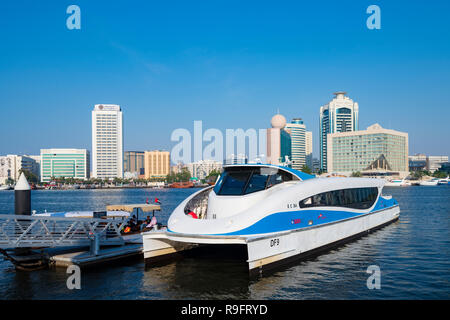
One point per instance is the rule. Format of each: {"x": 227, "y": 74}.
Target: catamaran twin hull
{"x": 268, "y": 251}
{"x": 318, "y": 214}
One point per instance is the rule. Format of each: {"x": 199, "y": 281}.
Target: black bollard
{"x": 22, "y": 195}
{"x": 22, "y": 202}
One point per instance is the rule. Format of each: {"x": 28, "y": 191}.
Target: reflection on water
{"x": 189, "y": 279}
{"x": 413, "y": 255}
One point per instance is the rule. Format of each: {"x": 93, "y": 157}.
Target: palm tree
{"x": 306, "y": 169}
{"x": 356, "y": 174}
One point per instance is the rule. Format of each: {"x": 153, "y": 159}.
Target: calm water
{"x": 413, "y": 255}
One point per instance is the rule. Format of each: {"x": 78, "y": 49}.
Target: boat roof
{"x": 130, "y": 207}
{"x": 82, "y": 214}
{"x": 297, "y": 173}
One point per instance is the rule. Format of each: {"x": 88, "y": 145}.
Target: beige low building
{"x": 156, "y": 164}
{"x": 11, "y": 166}
{"x": 373, "y": 152}
{"x": 178, "y": 168}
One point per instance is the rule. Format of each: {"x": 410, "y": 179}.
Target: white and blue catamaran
{"x": 276, "y": 213}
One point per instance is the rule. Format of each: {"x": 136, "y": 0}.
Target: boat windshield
{"x": 245, "y": 180}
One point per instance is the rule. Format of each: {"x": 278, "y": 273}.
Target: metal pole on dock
{"x": 22, "y": 196}
{"x": 22, "y": 205}
{"x": 95, "y": 244}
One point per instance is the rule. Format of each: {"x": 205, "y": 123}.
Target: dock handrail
{"x": 22, "y": 231}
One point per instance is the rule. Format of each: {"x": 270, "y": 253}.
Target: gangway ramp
{"x": 23, "y": 231}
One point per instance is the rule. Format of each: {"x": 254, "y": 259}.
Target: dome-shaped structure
{"x": 278, "y": 121}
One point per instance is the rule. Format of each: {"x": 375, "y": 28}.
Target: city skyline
{"x": 243, "y": 64}
{"x": 316, "y": 155}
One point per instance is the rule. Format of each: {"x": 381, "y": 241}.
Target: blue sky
{"x": 228, "y": 63}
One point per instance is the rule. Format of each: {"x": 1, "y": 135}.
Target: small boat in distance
{"x": 444, "y": 181}
{"x": 432, "y": 182}
{"x": 182, "y": 185}
{"x": 270, "y": 215}
{"x": 397, "y": 183}
{"x": 5, "y": 187}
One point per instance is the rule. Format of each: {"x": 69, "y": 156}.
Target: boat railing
{"x": 199, "y": 203}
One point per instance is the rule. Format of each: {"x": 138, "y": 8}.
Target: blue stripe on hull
{"x": 292, "y": 220}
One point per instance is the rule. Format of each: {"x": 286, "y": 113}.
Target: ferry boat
{"x": 273, "y": 214}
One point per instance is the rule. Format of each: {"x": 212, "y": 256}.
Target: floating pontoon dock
{"x": 29, "y": 241}
{"x": 85, "y": 258}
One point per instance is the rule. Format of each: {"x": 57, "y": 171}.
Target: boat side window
{"x": 274, "y": 179}
{"x": 355, "y": 198}
{"x": 232, "y": 182}
{"x": 257, "y": 182}
{"x": 279, "y": 177}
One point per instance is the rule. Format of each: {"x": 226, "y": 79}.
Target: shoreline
{"x": 109, "y": 188}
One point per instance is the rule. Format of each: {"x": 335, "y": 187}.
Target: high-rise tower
{"x": 298, "y": 145}
{"x": 339, "y": 115}
{"x": 107, "y": 141}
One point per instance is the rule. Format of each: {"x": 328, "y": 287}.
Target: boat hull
{"x": 159, "y": 248}
{"x": 269, "y": 251}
